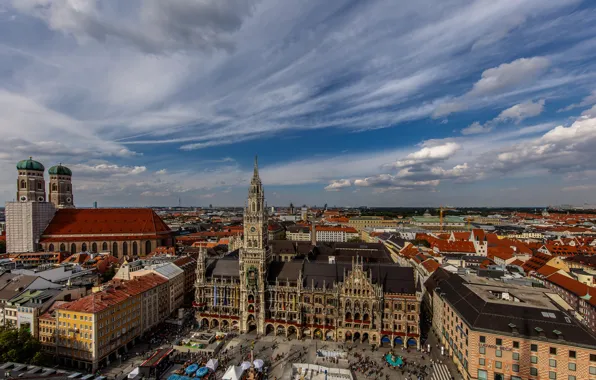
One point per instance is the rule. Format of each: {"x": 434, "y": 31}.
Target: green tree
{"x": 354, "y": 240}
{"x": 17, "y": 345}
{"x": 108, "y": 274}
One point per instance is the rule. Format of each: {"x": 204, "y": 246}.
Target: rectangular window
{"x": 499, "y": 342}
{"x": 572, "y": 354}
{"x": 593, "y": 357}
{"x": 534, "y": 348}
{"x": 571, "y": 366}
{"x": 498, "y": 365}
{"x": 515, "y": 367}
{"x": 534, "y": 371}
{"x": 515, "y": 344}
{"x": 592, "y": 370}
{"x": 570, "y": 377}
{"x": 515, "y": 356}
{"x": 482, "y": 350}
{"x": 482, "y": 339}
{"x": 482, "y": 374}
{"x": 552, "y": 363}
{"x": 498, "y": 353}
{"x": 481, "y": 361}
{"x": 552, "y": 375}
{"x": 553, "y": 350}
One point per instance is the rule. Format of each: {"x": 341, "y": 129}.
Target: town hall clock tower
{"x": 254, "y": 258}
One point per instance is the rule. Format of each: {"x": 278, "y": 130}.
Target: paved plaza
{"x": 279, "y": 353}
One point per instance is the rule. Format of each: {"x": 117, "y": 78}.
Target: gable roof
{"x": 103, "y": 221}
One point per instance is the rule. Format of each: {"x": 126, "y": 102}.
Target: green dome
{"x": 60, "y": 170}
{"x": 30, "y": 164}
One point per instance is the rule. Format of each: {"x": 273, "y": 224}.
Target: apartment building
{"x": 495, "y": 330}
{"x": 98, "y": 328}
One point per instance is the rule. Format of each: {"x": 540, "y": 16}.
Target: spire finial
{"x": 256, "y": 170}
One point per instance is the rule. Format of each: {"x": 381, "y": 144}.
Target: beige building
{"x": 495, "y": 330}
{"x": 175, "y": 282}
{"x": 361, "y": 222}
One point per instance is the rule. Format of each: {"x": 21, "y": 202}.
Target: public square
{"x": 279, "y": 353}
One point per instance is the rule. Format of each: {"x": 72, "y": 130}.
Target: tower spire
{"x": 256, "y": 170}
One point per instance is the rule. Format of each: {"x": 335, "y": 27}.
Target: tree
{"x": 354, "y": 240}
{"x": 108, "y": 274}
{"x": 18, "y": 345}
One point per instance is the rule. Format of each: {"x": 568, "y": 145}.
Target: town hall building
{"x": 341, "y": 296}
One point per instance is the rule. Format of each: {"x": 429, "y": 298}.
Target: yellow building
{"x": 97, "y": 329}
{"x": 361, "y": 222}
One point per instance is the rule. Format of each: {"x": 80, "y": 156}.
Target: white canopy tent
{"x": 233, "y": 373}
{"x": 212, "y": 364}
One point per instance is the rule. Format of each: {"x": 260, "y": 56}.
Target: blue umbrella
{"x": 192, "y": 368}
{"x": 202, "y": 371}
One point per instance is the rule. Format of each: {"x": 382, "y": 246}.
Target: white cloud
{"x": 521, "y": 111}
{"x": 428, "y": 154}
{"x": 586, "y": 101}
{"x": 161, "y": 171}
{"x": 509, "y": 75}
{"x": 476, "y": 128}
{"x": 338, "y": 185}
{"x": 109, "y": 169}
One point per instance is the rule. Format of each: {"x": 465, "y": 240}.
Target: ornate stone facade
{"x": 370, "y": 301}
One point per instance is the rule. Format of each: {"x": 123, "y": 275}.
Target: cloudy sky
{"x": 379, "y": 103}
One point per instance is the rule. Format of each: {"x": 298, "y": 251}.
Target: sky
{"x": 347, "y": 103}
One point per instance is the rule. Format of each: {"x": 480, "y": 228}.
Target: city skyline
{"x": 346, "y": 103}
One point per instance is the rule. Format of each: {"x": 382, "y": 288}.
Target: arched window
{"x": 51, "y": 248}
{"x": 84, "y": 247}
{"x": 104, "y": 246}
{"x": 73, "y": 248}
{"x": 124, "y": 249}
{"x": 54, "y": 187}
{"x": 94, "y": 247}
{"x": 62, "y": 248}
{"x": 23, "y": 184}
{"x": 135, "y": 248}
{"x": 147, "y": 247}
{"x": 115, "y": 249}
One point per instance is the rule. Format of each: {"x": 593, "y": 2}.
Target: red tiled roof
{"x": 517, "y": 262}
{"x": 456, "y": 246}
{"x": 185, "y": 260}
{"x": 537, "y": 261}
{"x": 547, "y": 270}
{"x": 465, "y": 236}
{"x": 106, "y": 221}
{"x": 97, "y": 238}
{"x": 573, "y": 286}
{"x": 431, "y": 265}
{"x": 113, "y": 295}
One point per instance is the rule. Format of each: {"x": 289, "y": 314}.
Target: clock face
{"x": 68, "y": 200}
{"x": 23, "y": 198}
{"x": 252, "y": 229}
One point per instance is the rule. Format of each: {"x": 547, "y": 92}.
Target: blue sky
{"x": 379, "y": 103}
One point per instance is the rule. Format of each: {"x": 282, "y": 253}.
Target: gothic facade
{"x": 328, "y": 298}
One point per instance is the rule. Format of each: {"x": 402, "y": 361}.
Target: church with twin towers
{"x": 338, "y": 292}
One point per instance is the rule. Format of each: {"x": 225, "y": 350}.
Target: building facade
{"x": 318, "y": 298}
{"x": 34, "y": 224}
{"x": 493, "y": 330}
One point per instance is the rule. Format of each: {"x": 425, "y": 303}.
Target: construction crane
{"x": 441, "y": 210}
